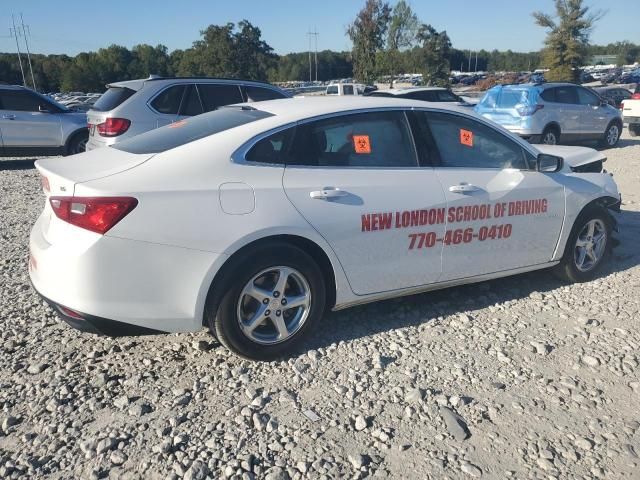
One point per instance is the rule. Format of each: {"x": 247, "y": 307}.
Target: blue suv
{"x": 551, "y": 113}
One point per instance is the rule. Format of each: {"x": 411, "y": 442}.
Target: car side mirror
{"x": 43, "y": 109}
{"x": 546, "y": 163}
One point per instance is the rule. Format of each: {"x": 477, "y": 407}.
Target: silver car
{"x": 551, "y": 113}
{"x": 33, "y": 124}
{"x": 132, "y": 107}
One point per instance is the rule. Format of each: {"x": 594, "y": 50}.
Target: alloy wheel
{"x": 590, "y": 245}
{"x": 274, "y": 305}
{"x": 612, "y": 135}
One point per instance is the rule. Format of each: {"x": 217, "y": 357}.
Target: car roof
{"x": 137, "y": 84}
{"x": 402, "y": 91}
{"x": 298, "y": 108}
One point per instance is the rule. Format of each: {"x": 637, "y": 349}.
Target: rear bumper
{"x": 112, "y": 282}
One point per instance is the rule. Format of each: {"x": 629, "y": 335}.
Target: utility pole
{"x": 469, "y": 69}
{"x": 476, "y": 69}
{"x": 24, "y": 32}
{"x": 14, "y": 32}
{"x": 309, "y": 35}
{"x": 315, "y": 34}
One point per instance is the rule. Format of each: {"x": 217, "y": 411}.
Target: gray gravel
{"x": 522, "y": 377}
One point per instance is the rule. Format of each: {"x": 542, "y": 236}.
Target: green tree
{"x": 567, "y": 38}
{"x": 403, "y": 28}
{"x": 434, "y": 56}
{"x": 367, "y": 32}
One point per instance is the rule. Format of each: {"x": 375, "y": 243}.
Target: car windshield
{"x": 191, "y": 129}
{"x": 51, "y": 100}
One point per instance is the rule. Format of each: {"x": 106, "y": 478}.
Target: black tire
{"x": 634, "y": 130}
{"x": 567, "y": 269}
{"x": 222, "y": 310}
{"x": 550, "y": 132}
{"x": 77, "y": 143}
{"x": 611, "y": 135}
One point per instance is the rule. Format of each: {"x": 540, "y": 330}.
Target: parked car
{"x": 631, "y": 112}
{"x": 132, "y": 107}
{"x": 552, "y": 113}
{"x": 613, "y": 95}
{"x": 340, "y": 89}
{"x": 254, "y": 219}
{"x": 34, "y": 124}
{"x": 426, "y": 94}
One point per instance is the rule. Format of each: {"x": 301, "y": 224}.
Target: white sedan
{"x": 253, "y": 220}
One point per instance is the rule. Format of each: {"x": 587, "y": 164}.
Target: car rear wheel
{"x": 78, "y": 143}
{"x": 550, "y": 136}
{"x": 273, "y": 299}
{"x": 587, "y": 247}
{"x": 611, "y": 135}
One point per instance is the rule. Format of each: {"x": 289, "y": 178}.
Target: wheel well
{"x": 605, "y": 203}
{"x": 74, "y": 135}
{"x": 552, "y": 125}
{"x": 308, "y": 246}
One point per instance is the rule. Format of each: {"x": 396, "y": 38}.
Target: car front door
{"x": 355, "y": 179}
{"x": 501, "y": 214}
{"x": 24, "y": 125}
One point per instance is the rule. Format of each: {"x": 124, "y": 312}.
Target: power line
{"x": 14, "y": 33}
{"x": 27, "y": 32}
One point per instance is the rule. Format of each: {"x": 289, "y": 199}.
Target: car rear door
{"x": 215, "y": 95}
{"x": 568, "y": 112}
{"x": 23, "y": 125}
{"x": 355, "y": 178}
{"x": 501, "y": 214}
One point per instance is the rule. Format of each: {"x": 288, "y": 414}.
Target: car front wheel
{"x": 587, "y": 247}
{"x": 274, "y": 298}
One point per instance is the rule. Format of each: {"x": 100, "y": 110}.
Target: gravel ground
{"x": 522, "y": 377}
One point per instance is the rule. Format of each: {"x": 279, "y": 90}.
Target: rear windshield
{"x": 501, "y": 97}
{"x": 191, "y": 129}
{"x": 112, "y": 98}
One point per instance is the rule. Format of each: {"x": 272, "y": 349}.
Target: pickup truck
{"x": 631, "y": 113}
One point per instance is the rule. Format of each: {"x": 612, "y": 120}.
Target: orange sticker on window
{"x": 178, "y": 124}
{"x": 466, "y": 137}
{"x": 361, "y": 144}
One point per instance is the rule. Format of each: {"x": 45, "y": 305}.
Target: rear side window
{"x": 168, "y": 102}
{"x": 376, "y": 139}
{"x": 447, "y": 96}
{"x": 189, "y": 130}
{"x": 347, "y": 89}
{"x": 566, "y": 95}
{"x": 191, "y": 105}
{"x": 259, "y": 94}
{"x": 466, "y": 143}
{"x": 332, "y": 90}
{"x": 271, "y": 149}
{"x": 217, "y": 95}
{"x": 112, "y": 98}
{"x": 549, "y": 95}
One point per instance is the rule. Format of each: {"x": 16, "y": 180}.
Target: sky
{"x": 73, "y": 26}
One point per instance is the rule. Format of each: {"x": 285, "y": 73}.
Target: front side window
{"x": 425, "y": 96}
{"x": 447, "y": 96}
{"x": 466, "y": 143}
{"x": 347, "y": 89}
{"x": 332, "y": 90}
{"x": 376, "y": 139}
{"x": 218, "y": 95}
{"x": 585, "y": 97}
{"x": 19, "y": 101}
{"x": 168, "y": 102}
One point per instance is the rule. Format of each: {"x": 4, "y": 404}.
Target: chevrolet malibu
{"x": 253, "y": 220}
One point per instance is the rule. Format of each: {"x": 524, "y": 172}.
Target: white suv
{"x": 135, "y": 106}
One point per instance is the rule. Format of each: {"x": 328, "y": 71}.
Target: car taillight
{"x": 112, "y": 127}
{"x": 97, "y": 214}
{"x": 635, "y": 96}
{"x": 526, "y": 110}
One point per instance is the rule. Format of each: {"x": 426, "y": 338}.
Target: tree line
{"x": 386, "y": 42}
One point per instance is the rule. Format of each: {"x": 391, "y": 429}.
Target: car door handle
{"x": 9, "y": 117}
{"x": 328, "y": 193}
{"x": 463, "y": 188}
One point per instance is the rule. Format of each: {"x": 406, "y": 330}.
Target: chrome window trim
{"x": 239, "y": 155}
